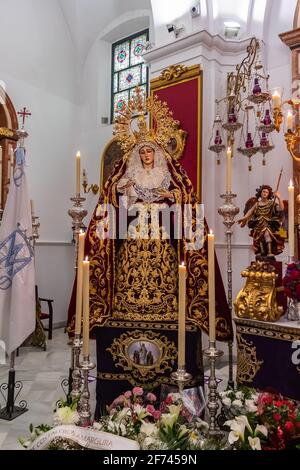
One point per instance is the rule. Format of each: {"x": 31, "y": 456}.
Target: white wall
{"x": 37, "y": 64}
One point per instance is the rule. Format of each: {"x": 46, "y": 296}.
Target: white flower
{"x": 239, "y": 395}
{"x": 243, "y": 421}
{"x": 254, "y": 443}
{"x": 223, "y": 394}
{"x": 141, "y": 412}
{"x": 149, "y": 429}
{"x": 250, "y": 405}
{"x": 98, "y": 426}
{"x": 122, "y": 414}
{"x": 123, "y": 429}
{"x": 226, "y": 401}
{"x": 237, "y": 403}
{"x": 168, "y": 419}
{"x": 65, "y": 415}
{"x": 262, "y": 429}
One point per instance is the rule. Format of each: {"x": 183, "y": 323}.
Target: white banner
{"x": 17, "y": 274}
{"x": 85, "y": 437}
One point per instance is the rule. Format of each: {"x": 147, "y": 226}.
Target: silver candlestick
{"x": 78, "y": 213}
{"x": 84, "y": 402}
{"x": 213, "y": 403}
{"x": 75, "y": 367}
{"x": 228, "y": 211}
{"x": 181, "y": 377}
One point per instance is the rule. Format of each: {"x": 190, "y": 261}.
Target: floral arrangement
{"x": 260, "y": 421}
{"x": 291, "y": 281}
{"x": 135, "y": 414}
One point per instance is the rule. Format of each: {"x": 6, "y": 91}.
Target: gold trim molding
{"x": 130, "y": 351}
{"x": 270, "y": 330}
{"x": 173, "y": 74}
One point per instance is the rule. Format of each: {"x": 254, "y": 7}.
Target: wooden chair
{"x": 45, "y": 315}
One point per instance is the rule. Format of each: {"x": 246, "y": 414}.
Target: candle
{"x": 32, "y": 207}
{"x": 79, "y": 283}
{"x": 291, "y": 220}
{"x": 228, "y": 171}
{"x": 78, "y": 173}
{"x": 86, "y": 308}
{"x": 211, "y": 287}
{"x": 181, "y": 316}
{"x": 289, "y": 120}
{"x": 276, "y": 99}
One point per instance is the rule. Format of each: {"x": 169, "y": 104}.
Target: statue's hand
{"x": 242, "y": 222}
{"x": 277, "y": 194}
{"x": 127, "y": 185}
{"x": 164, "y": 194}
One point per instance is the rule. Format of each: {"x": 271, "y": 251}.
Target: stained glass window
{"x": 128, "y": 69}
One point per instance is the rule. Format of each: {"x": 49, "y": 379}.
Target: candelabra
{"x": 181, "y": 377}
{"x": 212, "y": 353}
{"x": 228, "y": 211}
{"x": 291, "y": 130}
{"x": 247, "y": 102}
{"x": 77, "y": 212}
{"x": 87, "y": 188}
{"x": 84, "y": 402}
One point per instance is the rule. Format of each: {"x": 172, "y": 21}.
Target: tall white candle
{"x": 289, "y": 120}
{"x": 211, "y": 287}
{"x": 228, "y": 170}
{"x": 78, "y": 173}
{"x": 86, "y": 309}
{"x": 181, "y": 316}
{"x": 291, "y": 220}
{"x": 79, "y": 283}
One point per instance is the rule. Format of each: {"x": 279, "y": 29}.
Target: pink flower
{"x": 151, "y": 397}
{"x": 277, "y": 417}
{"x": 137, "y": 391}
{"x": 150, "y": 409}
{"x": 156, "y": 414}
{"x": 127, "y": 394}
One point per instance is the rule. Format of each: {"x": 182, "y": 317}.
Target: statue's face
{"x": 147, "y": 155}
{"x": 265, "y": 193}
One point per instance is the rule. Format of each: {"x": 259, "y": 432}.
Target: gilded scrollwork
{"x": 173, "y": 71}
{"x": 257, "y": 299}
{"x": 5, "y": 132}
{"x": 148, "y": 355}
{"x": 247, "y": 362}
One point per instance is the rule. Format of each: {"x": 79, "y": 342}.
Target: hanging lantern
{"x": 216, "y": 141}
{"x": 248, "y": 145}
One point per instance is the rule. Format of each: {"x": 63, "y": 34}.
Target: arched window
{"x": 128, "y": 69}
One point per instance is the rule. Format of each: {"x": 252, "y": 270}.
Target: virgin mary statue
{"x": 134, "y": 251}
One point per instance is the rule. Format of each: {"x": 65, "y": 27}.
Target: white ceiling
{"x": 86, "y": 19}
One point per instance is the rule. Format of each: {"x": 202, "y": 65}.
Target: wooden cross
{"x": 25, "y": 113}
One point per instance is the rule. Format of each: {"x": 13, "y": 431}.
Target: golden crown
{"x": 163, "y": 128}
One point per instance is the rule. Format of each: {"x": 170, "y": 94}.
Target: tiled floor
{"x": 41, "y": 373}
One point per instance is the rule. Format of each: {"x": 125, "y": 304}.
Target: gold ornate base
{"x": 257, "y": 300}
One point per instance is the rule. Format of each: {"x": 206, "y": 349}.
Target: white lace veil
{"x": 135, "y": 162}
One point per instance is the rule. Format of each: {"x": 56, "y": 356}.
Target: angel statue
{"x": 264, "y": 216}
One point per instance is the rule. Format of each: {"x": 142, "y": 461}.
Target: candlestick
{"x": 181, "y": 316}
{"x": 86, "y": 308}
{"x": 79, "y": 283}
{"x": 276, "y": 99}
{"x": 211, "y": 287}
{"x": 291, "y": 221}
{"x": 78, "y": 173}
{"x": 228, "y": 171}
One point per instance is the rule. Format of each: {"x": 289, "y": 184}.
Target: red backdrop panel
{"x": 184, "y": 100}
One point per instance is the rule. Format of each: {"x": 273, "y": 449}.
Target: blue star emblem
{"x": 15, "y": 254}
